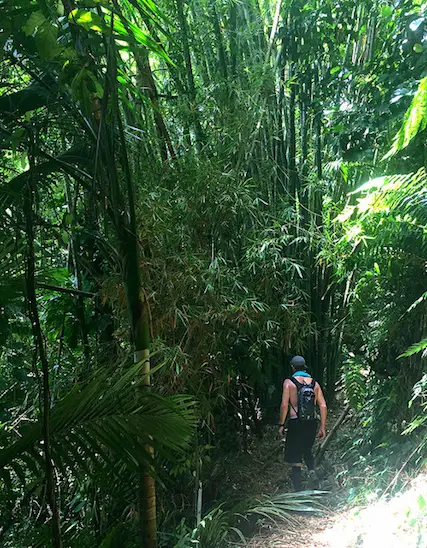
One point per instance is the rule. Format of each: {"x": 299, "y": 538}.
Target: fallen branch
{"x": 344, "y": 415}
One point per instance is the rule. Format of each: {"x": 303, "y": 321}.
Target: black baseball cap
{"x": 298, "y": 362}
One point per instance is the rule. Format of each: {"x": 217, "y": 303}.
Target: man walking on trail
{"x": 301, "y": 394}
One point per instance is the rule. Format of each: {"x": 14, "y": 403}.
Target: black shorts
{"x": 299, "y": 440}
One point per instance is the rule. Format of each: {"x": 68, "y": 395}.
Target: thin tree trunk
{"x": 285, "y": 128}
{"x": 316, "y": 281}
{"x": 357, "y": 58}
{"x": 222, "y": 58}
{"x": 149, "y": 84}
{"x": 318, "y": 130}
{"x": 303, "y": 194}
{"x": 292, "y": 165}
{"x": 74, "y": 256}
{"x": 372, "y": 31}
{"x": 41, "y": 351}
{"x": 147, "y": 80}
{"x": 124, "y": 217}
{"x": 232, "y": 23}
{"x": 348, "y": 43}
{"x": 140, "y": 328}
{"x": 190, "y": 77}
{"x": 259, "y": 25}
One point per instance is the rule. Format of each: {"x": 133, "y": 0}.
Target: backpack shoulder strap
{"x": 298, "y": 386}
{"x": 296, "y": 383}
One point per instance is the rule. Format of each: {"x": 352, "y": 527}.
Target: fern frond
{"x": 402, "y": 194}
{"x": 354, "y": 384}
{"x": 414, "y": 349}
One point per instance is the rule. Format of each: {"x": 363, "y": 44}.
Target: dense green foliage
{"x": 226, "y": 183}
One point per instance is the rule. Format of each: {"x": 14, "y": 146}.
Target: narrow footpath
{"x": 398, "y": 521}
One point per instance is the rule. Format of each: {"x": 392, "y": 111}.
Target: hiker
{"x": 301, "y": 394}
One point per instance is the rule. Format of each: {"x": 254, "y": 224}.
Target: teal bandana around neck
{"x": 301, "y": 374}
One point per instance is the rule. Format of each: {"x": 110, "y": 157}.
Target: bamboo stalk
{"x": 222, "y": 58}
{"x": 190, "y": 77}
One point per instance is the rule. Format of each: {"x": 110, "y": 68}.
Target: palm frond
{"x": 71, "y": 161}
{"x": 283, "y": 505}
{"x": 113, "y": 414}
{"x": 220, "y": 525}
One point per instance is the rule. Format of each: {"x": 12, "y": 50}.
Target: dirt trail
{"x": 307, "y": 534}
{"x": 396, "y": 522}
{"x": 399, "y": 522}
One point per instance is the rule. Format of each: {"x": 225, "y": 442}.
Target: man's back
{"x": 293, "y": 392}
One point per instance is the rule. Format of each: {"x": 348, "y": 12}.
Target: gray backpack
{"x": 306, "y": 400}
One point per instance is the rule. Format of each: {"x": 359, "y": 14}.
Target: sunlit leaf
{"x": 415, "y": 120}
{"x": 87, "y": 19}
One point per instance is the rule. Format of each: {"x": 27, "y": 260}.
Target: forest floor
{"x": 369, "y": 521}
{"x": 398, "y": 522}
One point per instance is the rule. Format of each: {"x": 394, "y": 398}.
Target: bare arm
{"x": 323, "y": 411}
{"x": 284, "y": 406}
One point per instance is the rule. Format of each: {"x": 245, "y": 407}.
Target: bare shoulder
{"x": 317, "y": 387}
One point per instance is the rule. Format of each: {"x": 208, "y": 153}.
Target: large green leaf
{"x": 88, "y": 19}
{"x": 125, "y": 29}
{"x": 45, "y": 34}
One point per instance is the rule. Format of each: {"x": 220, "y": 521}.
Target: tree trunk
{"x": 344, "y": 415}
{"x": 41, "y": 351}
{"x": 303, "y": 194}
{"x": 318, "y": 129}
{"x": 140, "y": 331}
{"x": 74, "y": 262}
